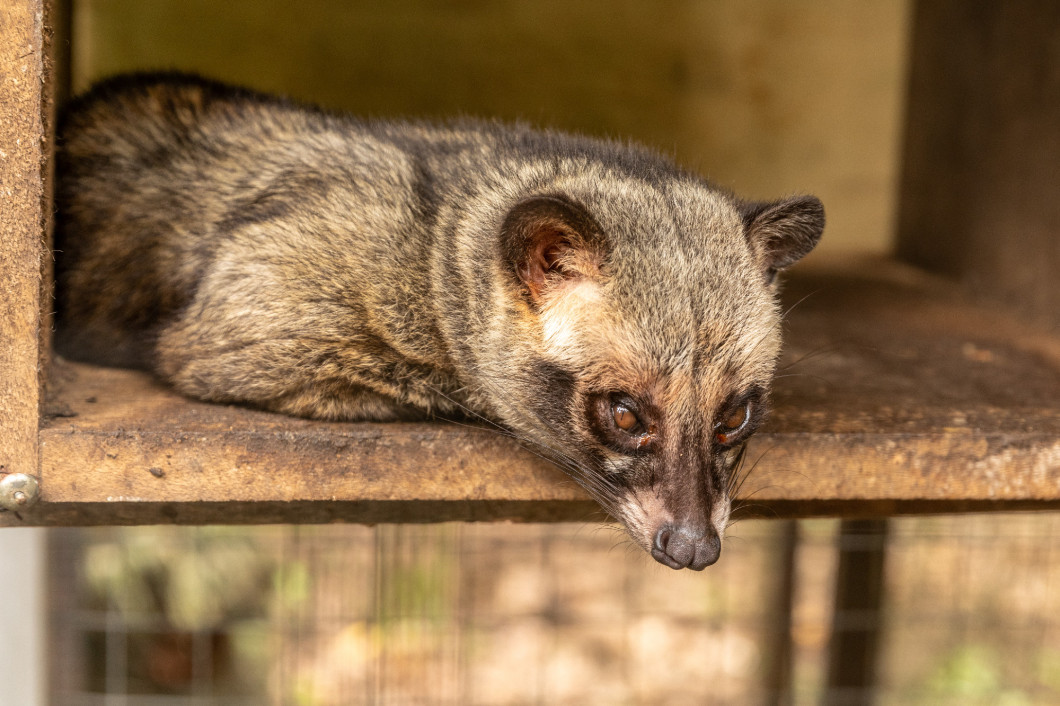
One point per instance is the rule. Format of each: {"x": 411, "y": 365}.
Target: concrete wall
{"x": 768, "y": 97}
{"x": 23, "y": 614}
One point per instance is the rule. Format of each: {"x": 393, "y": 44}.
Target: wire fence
{"x": 510, "y": 614}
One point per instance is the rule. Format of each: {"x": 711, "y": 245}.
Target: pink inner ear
{"x": 549, "y": 247}
{"x": 548, "y": 239}
{"x": 551, "y": 255}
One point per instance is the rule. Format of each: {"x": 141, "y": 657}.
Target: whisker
{"x": 739, "y": 486}
{"x": 493, "y": 426}
{"x": 598, "y": 486}
{"x": 819, "y": 350}
{"x": 743, "y": 507}
{"x": 818, "y": 378}
{"x": 597, "y": 483}
{"x": 791, "y": 308}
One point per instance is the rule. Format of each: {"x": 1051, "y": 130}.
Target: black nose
{"x": 680, "y": 547}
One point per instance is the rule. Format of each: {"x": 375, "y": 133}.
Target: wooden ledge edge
{"x": 426, "y": 512}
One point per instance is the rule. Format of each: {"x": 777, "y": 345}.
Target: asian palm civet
{"x": 614, "y": 312}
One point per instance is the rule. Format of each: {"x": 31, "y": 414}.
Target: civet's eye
{"x": 737, "y": 419}
{"x": 622, "y": 423}
{"x": 733, "y": 423}
{"x": 624, "y": 417}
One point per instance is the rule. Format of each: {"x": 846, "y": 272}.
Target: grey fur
{"x": 251, "y": 250}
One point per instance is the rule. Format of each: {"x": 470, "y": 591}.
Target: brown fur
{"x": 250, "y": 250}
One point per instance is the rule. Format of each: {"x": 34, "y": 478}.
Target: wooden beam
{"x": 21, "y": 219}
{"x": 858, "y": 615}
{"x": 981, "y": 166}
{"x": 896, "y": 395}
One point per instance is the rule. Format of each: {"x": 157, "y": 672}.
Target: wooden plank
{"x": 907, "y": 392}
{"x": 147, "y": 443}
{"x": 895, "y": 396}
{"x": 21, "y": 131}
{"x": 55, "y": 87}
{"x": 135, "y": 442}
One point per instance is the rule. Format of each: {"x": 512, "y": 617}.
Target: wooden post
{"x": 21, "y": 228}
{"x": 22, "y": 150}
{"x": 856, "y": 619}
{"x": 779, "y": 671}
{"x": 981, "y": 169}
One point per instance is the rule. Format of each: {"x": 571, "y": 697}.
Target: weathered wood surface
{"x": 908, "y": 397}
{"x": 895, "y": 396}
{"x": 55, "y": 90}
{"x": 21, "y": 134}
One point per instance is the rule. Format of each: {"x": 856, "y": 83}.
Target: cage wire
{"x": 526, "y": 614}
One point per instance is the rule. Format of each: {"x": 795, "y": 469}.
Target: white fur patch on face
{"x": 567, "y": 316}
{"x": 719, "y": 515}
{"x": 635, "y": 517}
{"x": 636, "y": 510}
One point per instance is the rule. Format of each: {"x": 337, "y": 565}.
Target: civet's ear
{"x": 783, "y": 232}
{"x": 549, "y": 241}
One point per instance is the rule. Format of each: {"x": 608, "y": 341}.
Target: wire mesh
{"x": 508, "y": 614}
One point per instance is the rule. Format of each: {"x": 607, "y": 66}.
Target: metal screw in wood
{"x": 18, "y": 491}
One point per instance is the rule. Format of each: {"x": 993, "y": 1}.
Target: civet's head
{"x": 654, "y": 330}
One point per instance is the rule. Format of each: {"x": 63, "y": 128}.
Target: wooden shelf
{"x": 896, "y": 395}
